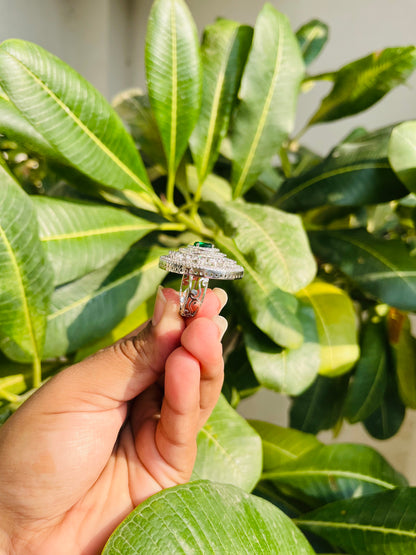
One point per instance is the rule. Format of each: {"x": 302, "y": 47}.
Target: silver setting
{"x": 198, "y": 263}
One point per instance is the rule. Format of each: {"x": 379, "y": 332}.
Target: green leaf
{"x": 362, "y": 83}
{"x": 214, "y": 189}
{"x": 268, "y": 94}
{"x": 85, "y": 310}
{"x": 402, "y": 153}
{"x": 386, "y": 420}
{"x": 335, "y": 320}
{"x": 274, "y": 242}
{"x": 330, "y": 472}
{"x": 356, "y": 172}
{"x": 289, "y": 371}
{"x": 320, "y": 406}
{"x": 223, "y": 54}
{"x": 80, "y": 237}
{"x": 239, "y": 380}
{"x": 381, "y": 523}
{"x": 312, "y": 38}
{"x": 173, "y": 75}
{"x": 282, "y": 445}
{"x": 133, "y": 106}
{"x": 72, "y": 116}
{"x": 229, "y": 450}
{"x": 404, "y": 352}
{"x": 17, "y": 128}
{"x": 383, "y": 269}
{"x": 25, "y": 277}
{"x": 369, "y": 381}
{"x": 204, "y": 517}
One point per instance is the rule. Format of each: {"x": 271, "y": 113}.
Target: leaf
{"x": 85, "y": 310}
{"x": 80, "y": 237}
{"x": 383, "y": 269}
{"x": 229, "y": 450}
{"x": 335, "y": 321}
{"x": 268, "y": 95}
{"x": 380, "y": 523}
{"x": 173, "y": 75}
{"x": 133, "y": 106}
{"x": 282, "y": 445}
{"x": 72, "y": 116}
{"x": 239, "y": 379}
{"x": 330, "y": 472}
{"x": 404, "y": 352}
{"x": 288, "y": 371}
{"x": 25, "y": 277}
{"x": 362, "y": 83}
{"x": 312, "y": 38}
{"x": 356, "y": 172}
{"x": 274, "y": 242}
{"x": 17, "y": 128}
{"x": 223, "y": 54}
{"x": 204, "y": 517}
{"x": 369, "y": 381}
{"x": 214, "y": 189}
{"x": 402, "y": 153}
{"x": 320, "y": 406}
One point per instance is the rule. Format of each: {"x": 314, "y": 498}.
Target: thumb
{"x": 122, "y": 371}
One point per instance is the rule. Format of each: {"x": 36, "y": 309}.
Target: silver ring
{"x": 198, "y": 263}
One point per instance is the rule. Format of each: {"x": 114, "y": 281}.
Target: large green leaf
{"x": 85, "y": 310}
{"x": 17, "y": 128}
{"x": 224, "y": 52}
{"x": 404, "y": 352}
{"x": 370, "y": 378}
{"x": 239, "y": 379}
{"x": 362, "y": 83}
{"x": 205, "y": 517}
{"x": 282, "y": 445}
{"x": 312, "y": 38}
{"x": 72, "y": 116}
{"x": 335, "y": 320}
{"x": 382, "y": 268}
{"x": 133, "y": 106}
{"x": 268, "y": 94}
{"x": 229, "y": 450}
{"x": 173, "y": 75}
{"x": 384, "y": 523}
{"x": 289, "y": 371}
{"x": 274, "y": 242}
{"x": 80, "y": 237}
{"x": 320, "y": 406}
{"x": 402, "y": 153}
{"x": 357, "y": 172}
{"x": 25, "y": 277}
{"x": 330, "y": 472}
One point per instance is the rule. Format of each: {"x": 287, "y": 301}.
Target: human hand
{"x": 105, "y": 434}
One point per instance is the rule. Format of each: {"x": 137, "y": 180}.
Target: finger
{"x": 202, "y": 339}
{"x": 213, "y": 303}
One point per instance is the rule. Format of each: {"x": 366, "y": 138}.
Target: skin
{"x": 105, "y": 434}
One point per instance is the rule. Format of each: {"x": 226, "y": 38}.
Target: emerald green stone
{"x": 204, "y": 245}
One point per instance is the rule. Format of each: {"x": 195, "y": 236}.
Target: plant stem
{"x": 170, "y": 187}
{"x": 172, "y": 227}
{"x": 194, "y": 225}
{"x": 197, "y": 198}
{"x": 37, "y": 372}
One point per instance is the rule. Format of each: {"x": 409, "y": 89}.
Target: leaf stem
{"x": 194, "y": 225}
{"x": 170, "y": 187}
{"x": 37, "y": 372}
{"x": 172, "y": 227}
{"x": 197, "y": 198}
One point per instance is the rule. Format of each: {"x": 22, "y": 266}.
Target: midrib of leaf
{"x": 385, "y": 275}
{"x": 263, "y": 117}
{"x": 333, "y": 173}
{"x": 353, "y": 526}
{"x": 221, "y": 448}
{"x": 268, "y": 238}
{"x": 330, "y": 474}
{"x": 381, "y": 259}
{"x": 367, "y": 400}
{"x": 313, "y": 34}
{"x": 82, "y": 126}
{"x": 174, "y": 110}
{"x": 102, "y": 290}
{"x": 19, "y": 283}
{"x": 98, "y": 231}
{"x": 279, "y": 449}
{"x": 215, "y": 108}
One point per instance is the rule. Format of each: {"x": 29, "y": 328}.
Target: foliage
{"x": 91, "y": 195}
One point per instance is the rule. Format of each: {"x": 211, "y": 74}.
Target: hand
{"x": 105, "y": 434}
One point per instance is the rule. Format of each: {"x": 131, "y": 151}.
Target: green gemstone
{"x": 204, "y": 245}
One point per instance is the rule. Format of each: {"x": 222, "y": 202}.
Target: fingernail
{"x": 222, "y": 296}
{"x": 221, "y": 323}
{"x": 160, "y": 304}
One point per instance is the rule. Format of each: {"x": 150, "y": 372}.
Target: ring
{"x": 198, "y": 263}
